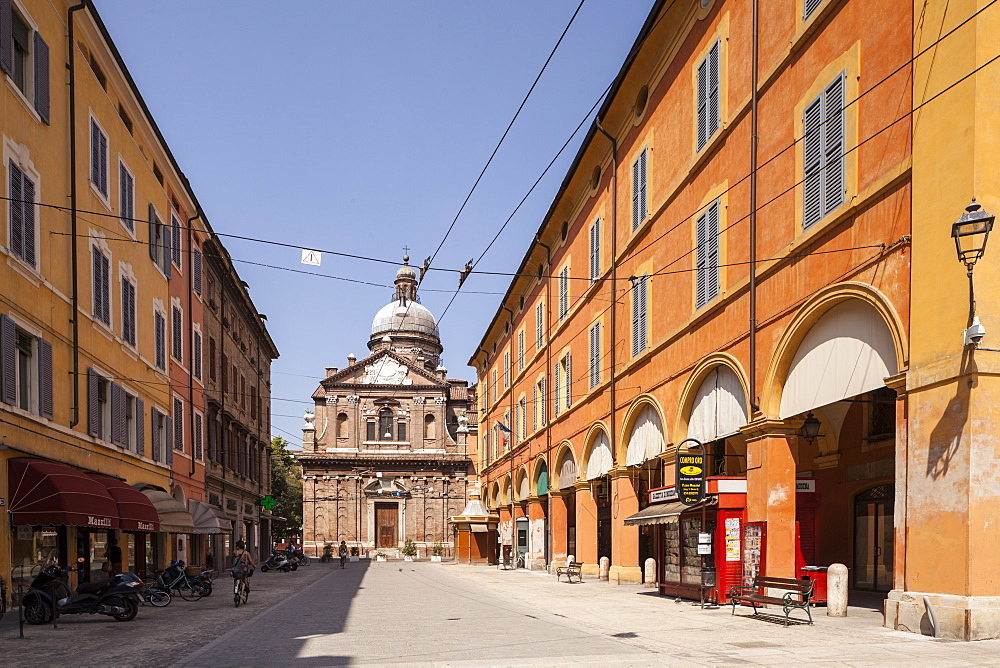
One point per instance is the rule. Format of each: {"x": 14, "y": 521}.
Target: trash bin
{"x": 708, "y": 579}
{"x": 818, "y": 575}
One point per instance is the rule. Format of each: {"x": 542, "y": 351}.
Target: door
{"x": 386, "y": 524}
{"x": 873, "y": 538}
{"x": 522, "y": 540}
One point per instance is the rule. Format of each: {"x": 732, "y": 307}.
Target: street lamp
{"x": 971, "y": 232}
{"x": 810, "y": 428}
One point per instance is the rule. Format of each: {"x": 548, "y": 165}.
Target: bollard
{"x": 836, "y": 590}
{"x": 20, "y": 611}
{"x": 649, "y": 573}
{"x": 605, "y": 567}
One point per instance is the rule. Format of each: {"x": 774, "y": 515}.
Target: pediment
{"x": 382, "y": 368}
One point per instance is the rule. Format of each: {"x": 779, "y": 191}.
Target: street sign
{"x": 690, "y": 478}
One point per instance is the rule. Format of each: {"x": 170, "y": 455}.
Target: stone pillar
{"x": 557, "y": 526}
{"x": 771, "y": 455}
{"x": 586, "y": 528}
{"x": 537, "y": 531}
{"x": 624, "y": 539}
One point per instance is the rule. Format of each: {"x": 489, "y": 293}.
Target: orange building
{"x": 751, "y": 249}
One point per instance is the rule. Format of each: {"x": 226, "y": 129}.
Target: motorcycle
{"x": 50, "y": 593}
{"x": 299, "y": 557}
{"x": 278, "y": 562}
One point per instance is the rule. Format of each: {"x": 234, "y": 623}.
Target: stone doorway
{"x": 386, "y": 524}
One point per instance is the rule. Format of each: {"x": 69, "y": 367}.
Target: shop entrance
{"x": 873, "y": 539}
{"x": 386, "y": 524}
{"x": 603, "y": 519}
{"x": 522, "y": 540}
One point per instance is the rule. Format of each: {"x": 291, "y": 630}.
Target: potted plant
{"x": 381, "y": 556}
{"x": 327, "y": 553}
{"x": 409, "y": 550}
{"x": 355, "y": 554}
{"x": 436, "y": 551}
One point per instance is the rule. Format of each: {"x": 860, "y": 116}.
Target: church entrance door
{"x": 387, "y": 524}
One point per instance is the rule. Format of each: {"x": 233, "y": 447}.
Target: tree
{"x": 286, "y": 488}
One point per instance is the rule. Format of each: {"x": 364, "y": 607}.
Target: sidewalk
{"x": 684, "y": 634}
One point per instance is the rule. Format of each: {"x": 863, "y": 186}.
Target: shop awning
{"x": 208, "y": 519}
{"x": 174, "y": 517}
{"x": 660, "y": 513}
{"x": 135, "y": 512}
{"x": 47, "y": 493}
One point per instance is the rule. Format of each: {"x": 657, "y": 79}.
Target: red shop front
{"x": 718, "y": 527}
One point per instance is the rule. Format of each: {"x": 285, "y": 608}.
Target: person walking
{"x": 113, "y": 557}
{"x": 343, "y": 553}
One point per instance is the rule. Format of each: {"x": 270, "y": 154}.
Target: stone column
{"x": 771, "y": 455}
{"x": 625, "y": 539}
{"x": 537, "y": 531}
{"x": 586, "y": 527}
{"x": 557, "y": 526}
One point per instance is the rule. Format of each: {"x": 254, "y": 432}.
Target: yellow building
{"x": 100, "y": 296}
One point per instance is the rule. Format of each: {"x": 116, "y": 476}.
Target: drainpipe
{"x": 75, "y": 419}
{"x": 190, "y": 310}
{"x": 754, "y": 406}
{"x": 548, "y": 433}
{"x": 614, "y": 289}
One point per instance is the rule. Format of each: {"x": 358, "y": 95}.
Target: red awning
{"x": 47, "y": 493}
{"x": 135, "y": 511}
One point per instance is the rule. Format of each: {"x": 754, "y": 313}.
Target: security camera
{"x": 975, "y": 333}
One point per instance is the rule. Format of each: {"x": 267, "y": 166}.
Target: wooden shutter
{"x": 702, "y": 103}
{"x": 16, "y": 241}
{"x": 117, "y": 414}
{"x": 167, "y": 247}
{"x": 168, "y": 445}
{"x": 595, "y": 355}
{"x": 595, "y": 250}
{"x": 98, "y": 294}
{"x": 95, "y": 159}
{"x": 545, "y": 412}
{"x": 643, "y": 157}
{"x": 45, "y": 407}
{"x": 809, "y": 7}
{"x": 538, "y": 326}
{"x": 41, "y": 77}
{"x": 175, "y": 248}
{"x": 159, "y": 325}
{"x": 712, "y": 256}
{"x": 93, "y": 407}
{"x": 126, "y": 197}
{"x": 812, "y": 149}
{"x": 198, "y": 436}
{"x": 28, "y": 219}
{"x": 833, "y": 149}
{"x": 6, "y": 39}
{"x": 701, "y": 261}
{"x": 103, "y": 157}
{"x": 154, "y": 241}
{"x": 196, "y": 279}
{"x": 8, "y": 353}
{"x": 635, "y": 196}
{"x": 520, "y": 350}
{"x": 712, "y": 122}
{"x": 569, "y": 380}
{"x": 196, "y": 356}
{"x": 563, "y": 292}
{"x": 636, "y": 321}
{"x": 534, "y": 407}
{"x": 154, "y": 419}
{"x": 178, "y": 425}
{"x": 176, "y": 334}
{"x": 140, "y": 427}
{"x": 557, "y": 388}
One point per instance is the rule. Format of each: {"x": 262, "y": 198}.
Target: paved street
{"x": 422, "y": 613}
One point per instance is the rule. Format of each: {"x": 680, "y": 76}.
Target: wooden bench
{"x": 569, "y": 570}
{"x": 798, "y": 594}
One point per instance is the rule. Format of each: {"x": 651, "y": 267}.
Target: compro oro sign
{"x": 690, "y": 478}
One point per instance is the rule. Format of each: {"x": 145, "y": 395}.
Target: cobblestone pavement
{"x": 157, "y": 636}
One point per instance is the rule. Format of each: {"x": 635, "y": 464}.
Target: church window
{"x": 401, "y": 431}
{"x": 370, "y": 435}
{"x": 385, "y": 424}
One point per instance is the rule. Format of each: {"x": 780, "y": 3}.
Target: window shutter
{"x": 175, "y": 241}
{"x": 833, "y": 186}
{"x": 140, "y": 427}
{"x": 712, "y": 256}
{"x": 93, "y": 410}
{"x": 168, "y": 446}
{"x": 154, "y": 418}
{"x": 538, "y": 326}
{"x": 165, "y": 241}
{"x": 812, "y": 147}
{"x": 569, "y": 381}
{"x": 196, "y": 279}
{"x": 520, "y": 350}
{"x": 8, "y": 351}
{"x": 45, "y": 379}
{"x": 595, "y": 355}
{"x": 635, "y": 195}
{"x": 98, "y": 296}
{"x": 809, "y": 7}
{"x": 105, "y": 289}
{"x": 595, "y": 250}
{"x": 6, "y": 38}
{"x": 159, "y": 326}
{"x": 95, "y": 160}
{"x": 636, "y": 349}
{"x": 643, "y": 157}
{"x": 28, "y": 218}
{"x": 534, "y": 407}
{"x": 643, "y": 323}
{"x": 557, "y": 393}
{"x": 563, "y": 292}
{"x": 198, "y": 437}
{"x": 702, "y": 102}
{"x": 196, "y": 356}
{"x": 545, "y": 412}
{"x": 41, "y": 77}
{"x": 175, "y": 334}
{"x": 16, "y": 241}
{"x": 117, "y": 399}
{"x": 126, "y": 197}
{"x": 712, "y": 123}
{"x": 153, "y": 233}
{"x": 178, "y": 425}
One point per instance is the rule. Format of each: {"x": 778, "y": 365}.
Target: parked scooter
{"x": 298, "y": 556}
{"x": 50, "y": 592}
{"x": 278, "y": 562}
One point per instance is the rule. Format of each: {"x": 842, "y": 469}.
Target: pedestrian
{"x": 242, "y": 558}
{"x": 343, "y": 553}
{"x": 113, "y": 557}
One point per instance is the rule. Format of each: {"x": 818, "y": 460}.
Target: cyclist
{"x": 343, "y": 553}
{"x": 243, "y": 566}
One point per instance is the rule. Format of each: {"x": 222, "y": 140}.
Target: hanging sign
{"x": 311, "y": 257}
{"x": 690, "y": 478}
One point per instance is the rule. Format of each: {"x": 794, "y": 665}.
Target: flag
{"x": 503, "y": 427}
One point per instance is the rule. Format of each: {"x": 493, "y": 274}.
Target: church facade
{"x": 387, "y": 454}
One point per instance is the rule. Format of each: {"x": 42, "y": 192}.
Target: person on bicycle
{"x": 242, "y": 557}
{"x": 343, "y": 553}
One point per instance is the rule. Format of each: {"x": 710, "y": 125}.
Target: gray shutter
{"x": 569, "y": 380}
{"x": 712, "y": 256}
{"x": 103, "y": 157}
{"x": 198, "y": 426}
{"x": 712, "y": 123}
{"x": 545, "y": 414}
{"x": 95, "y": 160}
{"x": 702, "y": 102}
{"x": 178, "y": 425}
{"x": 154, "y": 418}
{"x": 96, "y": 284}
{"x": 833, "y": 153}
{"x": 643, "y": 157}
{"x": 8, "y": 353}
{"x": 538, "y": 326}
{"x": 635, "y": 317}
{"x": 117, "y": 414}
{"x": 6, "y": 38}
{"x": 563, "y": 292}
{"x": 196, "y": 356}
{"x": 106, "y": 288}
{"x": 196, "y": 258}
{"x": 140, "y": 427}
{"x": 556, "y": 393}
{"x": 168, "y": 249}
{"x": 635, "y": 195}
{"x": 28, "y": 220}
{"x": 168, "y": 446}
{"x": 644, "y": 320}
{"x": 16, "y": 211}
{"x": 595, "y": 354}
{"x": 45, "y": 379}
{"x": 812, "y": 149}
{"x": 41, "y": 77}
{"x": 809, "y": 7}
{"x": 93, "y": 408}
{"x": 153, "y": 229}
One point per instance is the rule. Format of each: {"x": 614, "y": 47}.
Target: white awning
{"x": 849, "y": 351}
{"x": 659, "y": 513}
{"x": 523, "y": 489}
{"x": 720, "y": 406}
{"x": 599, "y": 462}
{"x": 208, "y": 519}
{"x": 174, "y": 517}
{"x": 646, "y": 441}
{"x": 567, "y": 472}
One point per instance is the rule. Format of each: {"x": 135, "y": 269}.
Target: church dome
{"x": 406, "y": 271}
{"x": 417, "y": 320}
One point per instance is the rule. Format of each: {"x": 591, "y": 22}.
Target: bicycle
{"x": 154, "y": 595}
{"x": 241, "y": 590}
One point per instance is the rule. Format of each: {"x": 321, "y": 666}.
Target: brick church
{"x": 388, "y": 453}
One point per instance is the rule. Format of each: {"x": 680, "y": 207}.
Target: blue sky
{"x": 360, "y": 127}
